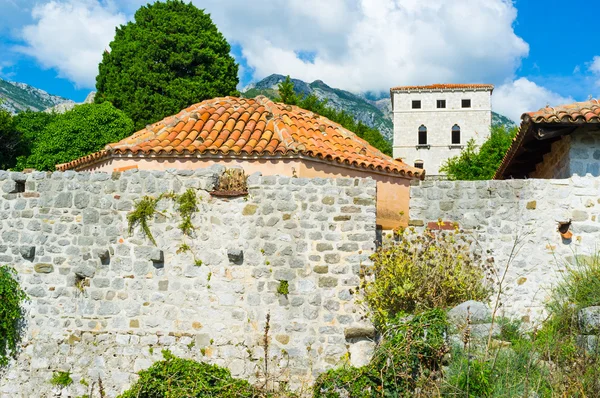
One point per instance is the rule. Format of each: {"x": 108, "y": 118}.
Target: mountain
{"x": 500, "y": 120}
{"x": 372, "y": 110}
{"x": 18, "y": 97}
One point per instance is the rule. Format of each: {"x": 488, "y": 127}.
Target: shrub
{"x": 183, "y": 378}
{"x": 11, "y": 313}
{"x": 409, "y": 357}
{"x": 436, "y": 269}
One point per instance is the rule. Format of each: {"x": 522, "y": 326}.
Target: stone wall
{"x": 104, "y": 303}
{"x": 497, "y": 212}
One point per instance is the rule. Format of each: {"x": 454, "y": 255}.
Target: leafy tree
{"x": 313, "y": 104}
{"x": 474, "y": 164}
{"x": 170, "y": 57}
{"x": 53, "y": 139}
{"x": 9, "y": 140}
{"x": 286, "y": 92}
{"x": 27, "y": 126}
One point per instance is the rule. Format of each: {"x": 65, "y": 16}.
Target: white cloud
{"x": 514, "y": 98}
{"x": 375, "y": 44}
{"x": 70, "y": 37}
{"x": 594, "y": 67}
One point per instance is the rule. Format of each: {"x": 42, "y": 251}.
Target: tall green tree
{"x": 288, "y": 96}
{"x": 482, "y": 163}
{"x": 53, "y": 138}
{"x": 9, "y": 141}
{"x": 170, "y": 57}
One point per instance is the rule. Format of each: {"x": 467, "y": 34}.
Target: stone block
{"x": 235, "y": 256}
{"x": 361, "y": 353}
{"x": 27, "y": 252}
{"x": 43, "y": 268}
{"x": 476, "y": 311}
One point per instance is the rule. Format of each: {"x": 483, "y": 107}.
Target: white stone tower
{"x": 433, "y": 123}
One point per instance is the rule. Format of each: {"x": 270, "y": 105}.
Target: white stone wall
{"x": 474, "y": 123}
{"x": 139, "y": 299}
{"x": 497, "y": 212}
{"x": 584, "y": 154}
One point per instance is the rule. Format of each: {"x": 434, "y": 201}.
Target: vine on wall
{"x": 11, "y": 313}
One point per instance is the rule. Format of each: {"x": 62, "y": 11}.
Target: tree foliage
{"x": 50, "y": 139}
{"x": 9, "y": 141}
{"x": 482, "y": 163}
{"x": 11, "y": 313}
{"x": 170, "y": 57}
{"x": 313, "y": 104}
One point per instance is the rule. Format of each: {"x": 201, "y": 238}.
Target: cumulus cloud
{"x": 375, "y": 44}
{"x": 514, "y": 98}
{"x": 594, "y": 67}
{"x": 70, "y": 37}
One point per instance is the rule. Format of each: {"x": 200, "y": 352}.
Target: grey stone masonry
{"x": 104, "y": 303}
{"x": 528, "y": 212}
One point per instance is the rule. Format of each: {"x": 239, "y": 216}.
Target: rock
{"x": 235, "y": 256}
{"x": 589, "y": 320}
{"x": 481, "y": 331}
{"x": 588, "y": 343}
{"x": 478, "y": 312}
{"x": 359, "y": 332}
{"x": 28, "y": 252}
{"x": 361, "y": 353}
{"x": 43, "y": 268}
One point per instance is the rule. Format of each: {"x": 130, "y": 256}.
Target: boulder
{"x": 476, "y": 311}
{"x": 589, "y": 320}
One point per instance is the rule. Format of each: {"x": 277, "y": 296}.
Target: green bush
{"x": 49, "y": 140}
{"x": 409, "y": 357}
{"x": 183, "y": 378}
{"x": 435, "y": 269}
{"x": 480, "y": 163}
{"x": 11, "y": 313}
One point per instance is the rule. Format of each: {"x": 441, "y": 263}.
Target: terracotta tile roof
{"x": 257, "y": 127}
{"x": 445, "y": 87}
{"x": 573, "y": 115}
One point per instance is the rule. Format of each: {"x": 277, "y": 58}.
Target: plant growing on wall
{"x": 145, "y": 209}
{"x": 11, "y": 313}
{"x": 232, "y": 182}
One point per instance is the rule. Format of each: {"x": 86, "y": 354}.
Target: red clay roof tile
{"x": 577, "y": 113}
{"x": 448, "y": 87}
{"x": 239, "y": 126}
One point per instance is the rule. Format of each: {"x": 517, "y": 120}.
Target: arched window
{"x": 456, "y": 134}
{"x": 422, "y": 135}
{"x": 419, "y": 164}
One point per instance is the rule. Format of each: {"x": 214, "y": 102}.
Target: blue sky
{"x": 535, "y": 52}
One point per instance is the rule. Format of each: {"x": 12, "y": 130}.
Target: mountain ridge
{"x": 18, "y": 97}
{"x": 374, "y": 110}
